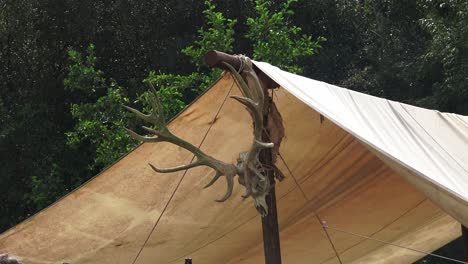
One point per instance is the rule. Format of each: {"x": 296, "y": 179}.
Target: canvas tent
{"x": 363, "y": 164}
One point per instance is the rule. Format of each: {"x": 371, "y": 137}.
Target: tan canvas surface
{"x": 426, "y": 147}
{"x": 330, "y": 175}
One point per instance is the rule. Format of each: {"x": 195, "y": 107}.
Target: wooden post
{"x": 465, "y": 241}
{"x": 215, "y": 59}
{"x": 271, "y": 241}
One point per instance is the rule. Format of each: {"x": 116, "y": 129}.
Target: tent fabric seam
{"x": 316, "y": 213}
{"x": 292, "y": 175}
{"x": 325, "y": 160}
{"x": 422, "y": 253}
{"x": 382, "y": 228}
{"x": 435, "y": 141}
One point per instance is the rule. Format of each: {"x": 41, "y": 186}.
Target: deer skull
{"x": 251, "y": 172}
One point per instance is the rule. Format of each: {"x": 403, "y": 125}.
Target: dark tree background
{"x": 415, "y": 51}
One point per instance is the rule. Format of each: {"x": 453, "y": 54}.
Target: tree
{"x": 101, "y": 119}
{"x": 446, "y": 58}
{"x": 276, "y": 40}
{"x": 94, "y": 118}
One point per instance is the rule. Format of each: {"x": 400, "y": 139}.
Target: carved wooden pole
{"x": 271, "y": 241}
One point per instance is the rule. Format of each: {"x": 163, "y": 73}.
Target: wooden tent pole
{"x": 465, "y": 240}
{"x": 271, "y": 241}
{"x": 215, "y": 59}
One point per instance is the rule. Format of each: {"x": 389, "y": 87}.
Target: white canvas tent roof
{"x": 373, "y": 167}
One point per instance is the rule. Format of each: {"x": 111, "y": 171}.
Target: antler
{"x": 249, "y": 166}
{"x": 249, "y": 169}
{"x": 157, "y": 118}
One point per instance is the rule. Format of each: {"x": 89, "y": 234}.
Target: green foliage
{"x": 170, "y": 89}
{"x": 276, "y": 40}
{"x": 218, "y": 36}
{"x": 176, "y": 90}
{"x": 82, "y": 74}
{"x": 45, "y": 190}
{"x": 447, "y": 24}
{"x": 387, "y": 40}
{"x": 39, "y": 193}
{"x": 101, "y": 122}
{"x": 411, "y": 51}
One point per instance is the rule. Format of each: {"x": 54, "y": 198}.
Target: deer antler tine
{"x": 215, "y": 178}
{"x": 246, "y": 101}
{"x": 142, "y": 138}
{"x": 148, "y": 118}
{"x": 263, "y": 144}
{"x": 155, "y": 132}
{"x": 248, "y": 192}
{"x": 154, "y": 168}
{"x": 175, "y": 169}
{"x": 243, "y": 85}
{"x": 156, "y": 105}
{"x": 255, "y": 82}
{"x": 230, "y": 186}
